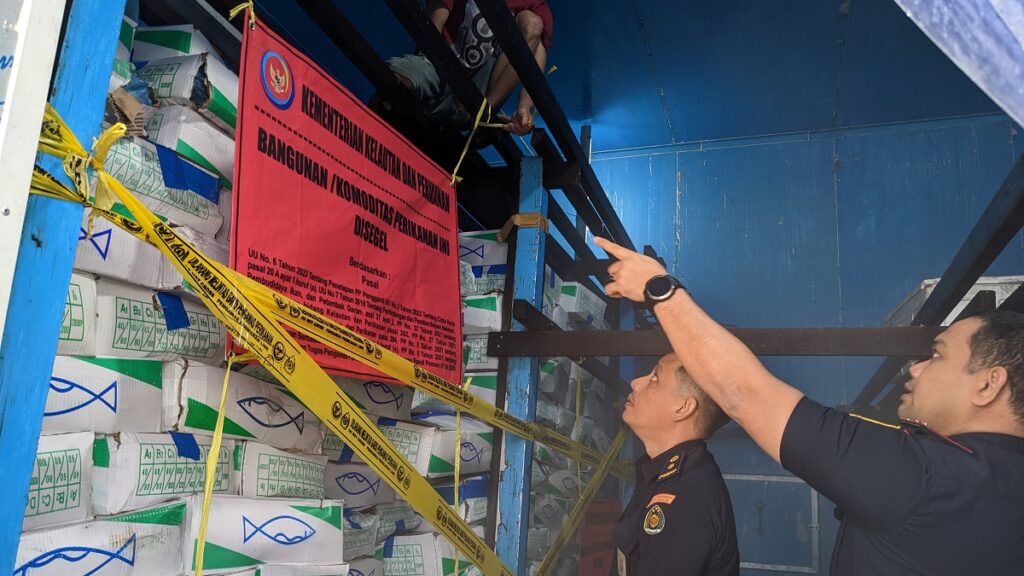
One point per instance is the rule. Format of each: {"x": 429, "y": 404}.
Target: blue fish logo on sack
{"x": 284, "y": 530}
{"x": 382, "y": 394}
{"x": 80, "y": 560}
{"x": 277, "y": 80}
{"x": 570, "y": 483}
{"x": 354, "y": 572}
{"x": 280, "y": 418}
{"x": 95, "y": 239}
{"x": 64, "y": 388}
{"x": 354, "y": 484}
{"x": 468, "y": 453}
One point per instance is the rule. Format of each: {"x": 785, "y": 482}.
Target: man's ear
{"x": 987, "y": 390}
{"x": 686, "y": 408}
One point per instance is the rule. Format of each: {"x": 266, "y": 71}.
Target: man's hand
{"x": 522, "y": 122}
{"x": 631, "y": 273}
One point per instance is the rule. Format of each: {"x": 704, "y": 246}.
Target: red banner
{"x": 335, "y": 209}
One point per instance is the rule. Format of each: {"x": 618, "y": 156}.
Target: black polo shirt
{"x": 912, "y": 501}
{"x": 680, "y": 519}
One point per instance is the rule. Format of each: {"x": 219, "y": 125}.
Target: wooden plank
{"x": 43, "y": 270}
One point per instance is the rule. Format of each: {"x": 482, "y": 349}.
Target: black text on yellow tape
{"x": 253, "y": 327}
{"x": 572, "y": 523}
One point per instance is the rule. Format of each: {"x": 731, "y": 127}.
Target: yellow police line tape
{"x": 572, "y": 523}
{"x": 248, "y": 310}
{"x": 255, "y": 329}
{"x": 314, "y": 325}
{"x": 317, "y": 326}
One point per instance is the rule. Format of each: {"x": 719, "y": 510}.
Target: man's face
{"x": 653, "y": 401}
{"x": 938, "y": 393}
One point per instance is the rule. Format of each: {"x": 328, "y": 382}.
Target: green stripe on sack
{"x": 147, "y": 371}
{"x": 215, "y": 557}
{"x": 569, "y": 289}
{"x": 489, "y": 303}
{"x": 127, "y": 35}
{"x": 491, "y": 235}
{"x": 221, "y": 107}
{"x": 239, "y": 450}
{"x": 439, "y": 466}
{"x": 330, "y": 514}
{"x": 100, "y": 453}
{"x": 176, "y": 40}
{"x": 487, "y": 437}
{"x": 123, "y": 69}
{"x": 171, "y": 515}
{"x": 202, "y": 417}
{"x": 192, "y": 154}
{"x": 486, "y": 381}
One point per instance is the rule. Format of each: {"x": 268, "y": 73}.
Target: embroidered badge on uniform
{"x": 654, "y": 521}
{"x": 665, "y": 499}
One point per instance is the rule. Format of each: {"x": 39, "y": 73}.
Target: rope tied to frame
{"x": 248, "y": 5}
{"x": 522, "y": 220}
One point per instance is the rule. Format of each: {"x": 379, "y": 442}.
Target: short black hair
{"x": 710, "y": 416}
{"x": 999, "y": 341}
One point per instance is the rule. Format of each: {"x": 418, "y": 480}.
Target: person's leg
{"x": 418, "y": 75}
{"x": 503, "y": 77}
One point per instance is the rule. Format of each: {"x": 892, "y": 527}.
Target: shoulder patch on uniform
{"x": 665, "y": 499}
{"x": 672, "y": 468}
{"x": 921, "y": 427}
{"x": 654, "y": 521}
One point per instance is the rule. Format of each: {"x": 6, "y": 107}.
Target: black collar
{"x": 1002, "y": 441}
{"x": 648, "y": 469}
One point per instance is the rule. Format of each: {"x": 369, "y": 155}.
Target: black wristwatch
{"x": 661, "y": 288}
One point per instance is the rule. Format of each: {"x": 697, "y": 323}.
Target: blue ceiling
{"x": 655, "y": 72}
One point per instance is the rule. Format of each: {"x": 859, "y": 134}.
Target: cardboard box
{"x": 474, "y": 452}
{"x": 357, "y": 484}
{"x": 366, "y": 567}
{"x": 248, "y": 532}
{"x": 483, "y": 385}
{"x": 255, "y": 410}
{"x": 474, "y": 354}
{"x": 142, "y": 542}
{"x": 426, "y": 555}
{"x": 584, "y": 307}
{"x": 78, "y": 327}
{"x": 131, "y": 325}
{"x": 155, "y": 42}
{"x": 132, "y": 471}
{"x": 217, "y": 250}
{"x": 125, "y": 39}
{"x": 378, "y": 398}
{"x": 360, "y": 534}
{"x": 167, "y": 183}
{"x": 481, "y": 314}
{"x": 61, "y": 485}
{"x": 186, "y": 132}
{"x": 110, "y": 252}
{"x": 397, "y": 517}
{"x": 267, "y": 472}
{"x": 195, "y": 80}
{"x": 482, "y": 248}
{"x": 103, "y": 395}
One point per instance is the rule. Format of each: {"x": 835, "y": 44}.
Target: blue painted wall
{"x": 804, "y": 165}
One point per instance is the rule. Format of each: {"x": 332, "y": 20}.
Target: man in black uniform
{"x": 940, "y": 495}
{"x": 680, "y": 519}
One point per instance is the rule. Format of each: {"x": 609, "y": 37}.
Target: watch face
{"x": 659, "y": 286}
